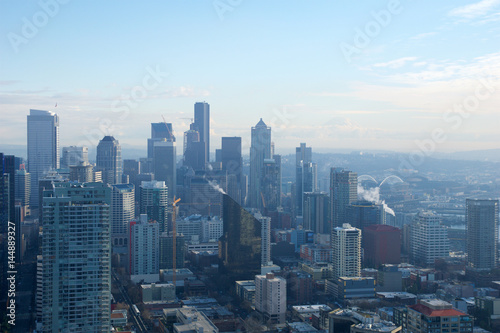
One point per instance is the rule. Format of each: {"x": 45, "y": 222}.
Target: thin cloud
{"x": 474, "y": 10}
{"x": 423, "y": 35}
{"x": 397, "y": 63}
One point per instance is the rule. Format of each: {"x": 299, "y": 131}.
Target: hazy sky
{"x": 334, "y": 74}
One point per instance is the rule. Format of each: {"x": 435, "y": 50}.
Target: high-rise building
{"x": 167, "y": 251}
{"x": 316, "y": 214}
{"x": 109, "y": 160}
{"x": 434, "y": 315}
{"x": 265, "y": 223}
{"x": 240, "y": 245}
{"x": 159, "y": 132}
{"x": 76, "y": 249}
{"x": 202, "y": 125}
{"x": 382, "y": 245}
{"x": 43, "y": 147}
{"x": 343, "y": 191}
{"x": 131, "y": 168}
{"x": 144, "y": 250}
{"x": 23, "y": 186}
{"x": 428, "y": 239}
{"x": 122, "y": 212}
{"x": 270, "y": 297}
{"x": 82, "y": 173}
{"x": 304, "y": 175}
{"x": 164, "y": 165}
{"x": 270, "y": 184}
{"x": 154, "y": 202}
{"x": 194, "y": 149}
{"x": 74, "y": 156}
{"x": 482, "y": 234}
{"x": 362, "y": 213}
{"x": 346, "y": 254}
{"x": 260, "y": 150}
{"x": 232, "y": 164}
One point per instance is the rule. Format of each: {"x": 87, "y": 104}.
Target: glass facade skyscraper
{"x": 109, "y": 160}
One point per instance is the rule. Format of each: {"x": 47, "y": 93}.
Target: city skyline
{"x": 315, "y": 70}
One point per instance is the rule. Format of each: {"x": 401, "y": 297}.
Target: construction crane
{"x": 192, "y": 119}
{"x": 168, "y": 129}
{"x": 174, "y": 240}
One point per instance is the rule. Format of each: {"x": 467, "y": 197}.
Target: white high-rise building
{"x": 43, "y": 147}
{"x": 346, "y": 254}
{"x": 122, "y": 212}
{"x": 211, "y": 229}
{"x": 270, "y": 297}
{"x": 76, "y": 262}
{"x": 428, "y": 239}
{"x": 144, "y": 250}
{"x": 265, "y": 251}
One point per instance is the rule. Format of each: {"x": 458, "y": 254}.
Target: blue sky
{"x": 334, "y": 74}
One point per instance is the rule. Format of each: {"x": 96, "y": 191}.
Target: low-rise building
{"x": 157, "y": 292}
{"x": 438, "y": 316}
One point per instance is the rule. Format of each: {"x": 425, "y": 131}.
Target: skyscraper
{"x": 202, "y": 125}
{"x": 164, "y": 165}
{"x": 43, "y": 147}
{"x": 232, "y": 164}
{"x": 305, "y": 175}
{"x": 109, "y": 160}
{"x": 144, "y": 250}
{"x": 194, "y": 149}
{"x": 122, "y": 212}
{"x": 343, "y": 191}
{"x": 74, "y": 156}
{"x": 346, "y": 254}
{"x": 316, "y": 212}
{"x": 482, "y": 234}
{"x": 362, "y": 213}
{"x": 154, "y": 202}
{"x": 428, "y": 239}
{"x": 159, "y": 132}
{"x": 76, "y": 249}
{"x": 23, "y": 186}
{"x": 240, "y": 244}
{"x": 260, "y": 150}
{"x": 270, "y": 184}
{"x": 270, "y": 297}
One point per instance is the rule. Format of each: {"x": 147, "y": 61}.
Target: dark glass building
{"x": 202, "y": 125}
{"x": 240, "y": 244}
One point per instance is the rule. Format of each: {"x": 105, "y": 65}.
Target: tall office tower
{"x": 73, "y": 155}
{"x": 316, "y": 212}
{"x": 4, "y": 195}
{"x": 260, "y": 150}
{"x": 241, "y": 242}
{"x": 265, "y": 233}
{"x": 22, "y": 189}
{"x": 193, "y": 149}
{"x": 131, "y": 169}
{"x": 232, "y": 164}
{"x": 76, "y": 250}
{"x": 122, "y": 212}
{"x": 167, "y": 251}
{"x": 270, "y": 184}
{"x": 159, "y": 132}
{"x": 164, "y": 165}
{"x": 109, "y": 160}
{"x": 82, "y": 173}
{"x": 482, "y": 234}
{"x": 8, "y": 172}
{"x": 362, "y": 213}
{"x": 154, "y": 202}
{"x": 303, "y": 175}
{"x": 144, "y": 250}
{"x": 270, "y": 297}
{"x": 202, "y": 125}
{"x": 343, "y": 191}
{"x": 346, "y": 254}
{"x": 428, "y": 239}
{"x": 43, "y": 147}
{"x": 382, "y": 245}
